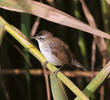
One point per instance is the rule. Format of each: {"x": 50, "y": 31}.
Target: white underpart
{"x": 45, "y": 50}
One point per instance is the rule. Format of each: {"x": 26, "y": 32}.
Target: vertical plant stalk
{"x": 35, "y": 27}
{"x": 81, "y": 42}
{"x": 92, "y": 23}
{"x": 46, "y": 82}
{"x": 93, "y": 57}
{"x": 99, "y": 41}
{"x": 102, "y": 87}
{"x": 102, "y": 92}
{"x": 25, "y": 28}
{"x": 3, "y": 86}
{"x": 104, "y": 73}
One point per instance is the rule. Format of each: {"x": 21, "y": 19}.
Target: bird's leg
{"x": 45, "y": 63}
{"x": 58, "y": 70}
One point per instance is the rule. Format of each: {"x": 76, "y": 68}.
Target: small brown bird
{"x": 55, "y": 50}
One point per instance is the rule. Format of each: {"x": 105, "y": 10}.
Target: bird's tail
{"x": 77, "y": 64}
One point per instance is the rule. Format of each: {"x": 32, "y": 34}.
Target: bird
{"x": 55, "y": 50}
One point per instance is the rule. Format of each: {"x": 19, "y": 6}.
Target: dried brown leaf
{"x": 50, "y": 14}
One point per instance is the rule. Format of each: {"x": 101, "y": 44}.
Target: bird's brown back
{"x": 63, "y": 52}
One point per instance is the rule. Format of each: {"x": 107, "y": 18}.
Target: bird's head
{"x": 43, "y": 35}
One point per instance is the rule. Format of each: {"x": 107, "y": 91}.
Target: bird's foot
{"x": 45, "y": 63}
{"x": 58, "y": 70}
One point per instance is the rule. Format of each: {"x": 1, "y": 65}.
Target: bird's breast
{"x": 46, "y": 51}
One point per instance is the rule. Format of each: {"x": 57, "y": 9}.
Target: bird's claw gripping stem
{"x": 45, "y": 63}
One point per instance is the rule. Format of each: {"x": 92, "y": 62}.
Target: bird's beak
{"x": 33, "y": 38}
{"x": 36, "y": 37}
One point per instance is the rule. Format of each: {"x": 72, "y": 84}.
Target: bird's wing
{"x": 64, "y": 53}
{"x": 60, "y": 50}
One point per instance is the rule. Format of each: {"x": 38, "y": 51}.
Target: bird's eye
{"x": 41, "y": 38}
